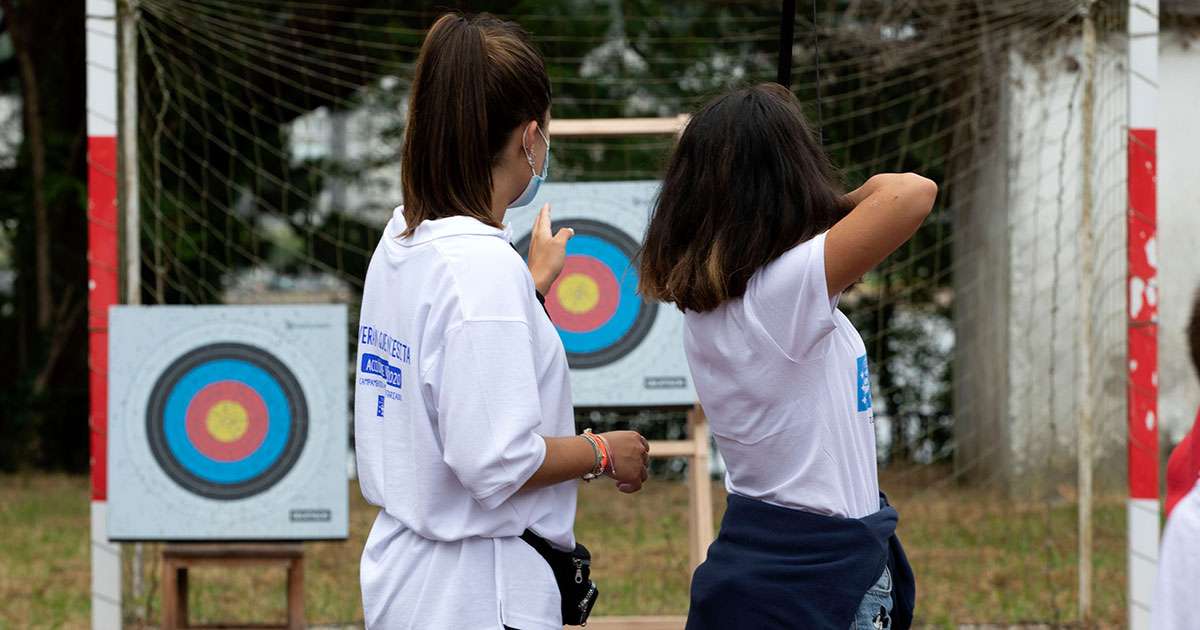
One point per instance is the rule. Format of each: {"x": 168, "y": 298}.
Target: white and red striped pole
{"x": 103, "y": 287}
{"x": 1143, "y": 310}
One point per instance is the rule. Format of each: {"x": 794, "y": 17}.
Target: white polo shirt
{"x": 1179, "y": 567}
{"x": 783, "y": 378}
{"x": 459, "y": 374}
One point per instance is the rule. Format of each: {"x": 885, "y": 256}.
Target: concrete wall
{"x": 1020, "y": 359}
{"x": 981, "y": 310}
{"x": 1021, "y": 365}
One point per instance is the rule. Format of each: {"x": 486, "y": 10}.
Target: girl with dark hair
{"x": 753, "y": 241}
{"x": 464, "y": 426}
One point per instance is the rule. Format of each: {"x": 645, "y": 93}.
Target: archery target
{"x": 594, "y": 302}
{"x": 226, "y": 420}
{"x": 623, "y": 351}
{"x": 228, "y": 423}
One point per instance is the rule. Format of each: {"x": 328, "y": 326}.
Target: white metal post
{"x": 101, "y": 41}
{"x": 1142, "y": 323}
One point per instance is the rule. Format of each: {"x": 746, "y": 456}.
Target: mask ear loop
{"x": 529, "y": 153}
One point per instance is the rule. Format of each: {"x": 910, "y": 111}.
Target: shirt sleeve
{"x": 489, "y": 409}
{"x": 790, "y": 298}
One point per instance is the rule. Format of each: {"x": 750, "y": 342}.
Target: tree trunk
{"x": 45, "y": 382}
{"x": 32, "y": 110}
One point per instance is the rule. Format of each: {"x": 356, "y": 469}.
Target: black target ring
{"x": 226, "y": 421}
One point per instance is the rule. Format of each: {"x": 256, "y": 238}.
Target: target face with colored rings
{"x": 594, "y": 302}
{"x": 226, "y": 421}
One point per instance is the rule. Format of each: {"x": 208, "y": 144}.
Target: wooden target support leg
{"x": 178, "y": 558}
{"x": 700, "y": 512}
{"x": 174, "y": 594}
{"x": 295, "y": 593}
{"x": 700, "y": 515}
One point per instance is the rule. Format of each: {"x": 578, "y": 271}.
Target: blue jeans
{"x": 875, "y": 611}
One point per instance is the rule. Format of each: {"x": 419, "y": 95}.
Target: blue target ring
{"x": 184, "y": 392}
{"x": 594, "y": 303}
{"x": 226, "y": 421}
{"x": 628, "y": 304}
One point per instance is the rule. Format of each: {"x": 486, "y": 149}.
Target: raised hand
{"x": 547, "y": 252}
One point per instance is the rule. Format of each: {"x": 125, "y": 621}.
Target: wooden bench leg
{"x": 169, "y": 596}
{"x": 175, "y": 582}
{"x": 175, "y": 596}
{"x": 295, "y": 594}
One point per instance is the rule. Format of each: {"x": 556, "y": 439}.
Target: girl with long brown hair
{"x": 464, "y": 426}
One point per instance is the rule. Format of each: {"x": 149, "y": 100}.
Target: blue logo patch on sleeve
{"x": 864, "y": 385}
{"x": 379, "y": 407}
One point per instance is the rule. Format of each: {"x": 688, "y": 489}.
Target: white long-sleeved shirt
{"x": 459, "y": 375}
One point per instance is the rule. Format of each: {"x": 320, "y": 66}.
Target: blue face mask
{"x": 535, "y": 180}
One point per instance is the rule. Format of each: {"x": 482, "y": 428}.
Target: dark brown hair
{"x": 746, "y": 182}
{"x": 477, "y": 79}
{"x": 1193, "y": 333}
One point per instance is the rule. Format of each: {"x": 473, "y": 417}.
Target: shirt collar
{"x": 432, "y": 229}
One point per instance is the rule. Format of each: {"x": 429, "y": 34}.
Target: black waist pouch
{"x": 572, "y": 571}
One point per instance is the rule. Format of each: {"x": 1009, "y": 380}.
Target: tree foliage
{"x": 220, "y": 85}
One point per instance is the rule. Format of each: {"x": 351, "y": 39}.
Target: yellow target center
{"x": 578, "y": 293}
{"x": 227, "y": 421}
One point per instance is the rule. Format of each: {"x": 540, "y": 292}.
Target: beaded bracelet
{"x": 598, "y": 467}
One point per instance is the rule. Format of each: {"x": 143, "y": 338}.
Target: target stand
{"x": 623, "y": 351}
{"x": 227, "y": 423}
{"x": 178, "y": 558}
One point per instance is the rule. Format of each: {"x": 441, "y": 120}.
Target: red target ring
{"x": 594, "y": 304}
{"x": 584, "y": 296}
{"x": 227, "y": 421}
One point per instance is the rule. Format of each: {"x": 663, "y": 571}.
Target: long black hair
{"x": 747, "y": 182}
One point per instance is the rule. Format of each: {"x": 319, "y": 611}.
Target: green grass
{"x": 44, "y": 580}
{"x": 978, "y": 559}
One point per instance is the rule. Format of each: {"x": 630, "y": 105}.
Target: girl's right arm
{"x": 888, "y": 209}
{"x": 572, "y": 457}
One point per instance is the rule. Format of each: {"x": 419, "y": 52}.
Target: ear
{"x": 530, "y": 135}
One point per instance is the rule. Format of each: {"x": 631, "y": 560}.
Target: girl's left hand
{"x": 547, "y": 252}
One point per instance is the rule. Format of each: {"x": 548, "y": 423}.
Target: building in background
{"x": 1018, "y": 263}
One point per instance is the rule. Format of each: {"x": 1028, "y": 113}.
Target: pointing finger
{"x": 543, "y": 220}
{"x": 537, "y": 223}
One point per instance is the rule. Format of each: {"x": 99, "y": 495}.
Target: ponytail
{"x": 477, "y": 79}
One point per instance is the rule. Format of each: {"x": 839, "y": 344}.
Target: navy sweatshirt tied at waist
{"x": 775, "y": 567}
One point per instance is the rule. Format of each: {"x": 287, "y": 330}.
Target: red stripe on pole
{"x": 102, "y": 293}
{"x": 1142, "y": 301}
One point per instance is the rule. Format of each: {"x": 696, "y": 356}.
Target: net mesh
{"x": 269, "y": 136}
